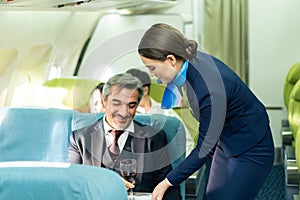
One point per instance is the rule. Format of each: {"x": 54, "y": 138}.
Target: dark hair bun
{"x": 191, "y": 49}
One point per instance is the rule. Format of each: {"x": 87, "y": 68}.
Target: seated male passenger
{"x": 91, "y": 145}
{"x": 147, "y": 104}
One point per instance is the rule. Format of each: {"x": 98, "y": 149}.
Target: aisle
{"x": 274, "y": 187}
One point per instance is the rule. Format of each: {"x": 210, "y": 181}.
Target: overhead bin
{"x": 124, "y": 6}
{"x": 112, "y": 49}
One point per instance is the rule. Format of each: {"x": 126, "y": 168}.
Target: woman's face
{"x": 165, "y": 71}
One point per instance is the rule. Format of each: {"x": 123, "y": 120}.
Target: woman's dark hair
{"x": 161, "y": 40}
{"x": 100, "y": 86}
{"x": 143, "y": 76}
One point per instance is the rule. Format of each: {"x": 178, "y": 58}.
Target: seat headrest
{"x": 34, "y": 134}
{"x": 295, "y": 94}
{"x": 294, "y": 73}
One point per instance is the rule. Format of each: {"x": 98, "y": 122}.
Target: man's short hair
{"x": 124, "y": 80}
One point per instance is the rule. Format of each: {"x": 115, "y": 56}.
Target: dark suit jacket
{"x": 146, "y": 145}
{"x": 228, "y": 112}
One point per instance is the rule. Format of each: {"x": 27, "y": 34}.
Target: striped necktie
{"x": 114, "y": 150}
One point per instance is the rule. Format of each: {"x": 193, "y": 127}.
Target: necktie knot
{"x": 116, "y": 134}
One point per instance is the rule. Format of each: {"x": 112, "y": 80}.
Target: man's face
{"x": 120, "y": 107}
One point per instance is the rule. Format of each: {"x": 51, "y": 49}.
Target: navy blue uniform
{"x": 234, "y": 130}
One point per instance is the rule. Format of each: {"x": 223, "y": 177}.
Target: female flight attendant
{"x": 234, "y": 125}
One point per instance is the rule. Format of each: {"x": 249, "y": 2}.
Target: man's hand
{"x": 128, "y": 184}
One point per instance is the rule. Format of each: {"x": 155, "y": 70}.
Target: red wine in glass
{"x": 128, "y": 176}
{"x": 128, "y": 172}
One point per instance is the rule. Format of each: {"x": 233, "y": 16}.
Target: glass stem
{"x": 131, "y": 194}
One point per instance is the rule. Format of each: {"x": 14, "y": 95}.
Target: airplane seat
{"x": 157, "y": 91}
{"x": 294, "y": 109}
{"x": 34, "y": 134}
{"x": 291, "y": 79}
{"x": 48, "y": 181}
{"x": 78, "y": 91}
{"x": 292, "y": 152}
{"x": 34, "y": 145}
{"x": 293, "y": 170}
{"x": 297, "y": 152}
{"x": 173, "y": 127}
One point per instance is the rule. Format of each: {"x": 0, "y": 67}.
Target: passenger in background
{"x": 150, "y": 106}
{"x": 91, "y": 145}
{"x": 96, "y": 99}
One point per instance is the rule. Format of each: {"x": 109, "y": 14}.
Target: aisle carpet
{"x": 274, "y": 187}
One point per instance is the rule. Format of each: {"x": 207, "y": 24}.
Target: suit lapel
{"x": 134, "y": 147}
{"x": 138, "y": 143}
{"x": 97, "y": 144}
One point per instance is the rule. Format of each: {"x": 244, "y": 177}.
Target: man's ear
{"x": 103, "y": 102}
{"x": 146, "y": 90}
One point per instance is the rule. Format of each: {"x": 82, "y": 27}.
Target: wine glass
{"x": 128, "y": 172}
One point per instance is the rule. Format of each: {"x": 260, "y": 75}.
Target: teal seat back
{"x": 48, "y": 182}
{"x": 34, "y": 150}
{"x": 291, "y": 79}
{"x": 34, "y": 134}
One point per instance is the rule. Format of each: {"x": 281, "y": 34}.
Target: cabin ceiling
{"x": 125, "y": 6}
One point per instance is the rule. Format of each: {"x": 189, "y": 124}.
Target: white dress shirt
{"x": 110, "y": 138}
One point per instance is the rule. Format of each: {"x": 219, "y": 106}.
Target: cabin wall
{"x": 113, "y": 49}
{"x": 34, "y": 41}
{"x": 40, "y": 44}
{"x": 274, "y": 47}
{"x": 113, "y": 46}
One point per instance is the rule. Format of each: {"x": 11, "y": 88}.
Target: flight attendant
{"x": 234, "y": 125}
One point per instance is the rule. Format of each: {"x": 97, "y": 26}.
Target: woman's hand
{"x": 128, "y": 184}
{"x": 160, "y": 190}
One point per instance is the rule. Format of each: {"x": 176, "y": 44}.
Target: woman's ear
{"x": 171, "y": 59}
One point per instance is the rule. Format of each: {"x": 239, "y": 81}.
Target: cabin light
{"x": 6, "y": 1}
{"x": 73, "y": 3}
{"x": 55, "y": 72}
{"x": 124, "y": 11}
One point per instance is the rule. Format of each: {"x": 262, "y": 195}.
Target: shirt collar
{"x": 107, "y": 127}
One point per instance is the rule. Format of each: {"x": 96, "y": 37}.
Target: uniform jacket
{"x": 229, "y": 113}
